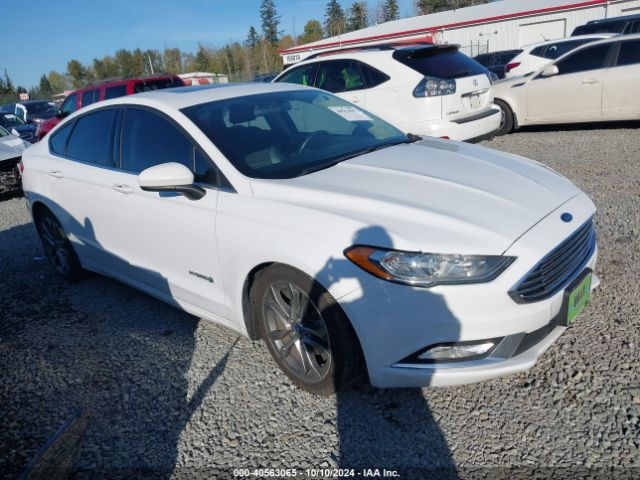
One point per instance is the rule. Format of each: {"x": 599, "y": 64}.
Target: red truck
{"x": 106, "y": 90}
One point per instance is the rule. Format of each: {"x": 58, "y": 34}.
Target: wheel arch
{"x": 513, "y": 111}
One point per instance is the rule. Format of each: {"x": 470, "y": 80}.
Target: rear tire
{"x": 57, "y": 246}
{"x": 507, "y": 121}
{"x": 306, "y": 331}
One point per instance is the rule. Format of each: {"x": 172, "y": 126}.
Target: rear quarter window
{"x": 58, "y": 141}
{"x": 445, "y": 63}
{"x": 115, "y": 91}
{"x": 629, "y": 53}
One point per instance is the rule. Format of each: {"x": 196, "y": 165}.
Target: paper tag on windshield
{"x": 13, "y": 143}
{"x": 351, "y": 114}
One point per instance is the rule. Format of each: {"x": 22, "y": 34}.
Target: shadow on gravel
{"x": 401, "y": 432}
{"x": 119, "y": 355}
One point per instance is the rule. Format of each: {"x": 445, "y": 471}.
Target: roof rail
{"x": 124, "y": 79}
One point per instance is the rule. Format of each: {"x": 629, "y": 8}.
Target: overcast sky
{"x": 43, "y": 35}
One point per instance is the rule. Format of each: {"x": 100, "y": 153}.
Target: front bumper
{"x": 474, "y": 128}
{"x": 394, "y": 321}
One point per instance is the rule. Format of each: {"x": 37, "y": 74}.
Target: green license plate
{"x": 577, "y": 298}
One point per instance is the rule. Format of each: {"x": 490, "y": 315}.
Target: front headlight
{"x": 427, "y": 269}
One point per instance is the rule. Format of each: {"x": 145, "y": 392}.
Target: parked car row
{"x": 429, "y": 89}
{"x": 11, "y": 149}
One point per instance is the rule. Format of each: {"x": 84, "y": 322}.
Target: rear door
{"x": 575, "y": 94}
{"x": 167, "y": 240}
{"x": 621, "y": 94}
{"x": 342, "y": 77}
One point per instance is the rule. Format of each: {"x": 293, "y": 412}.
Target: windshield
{"x": 41, "y": 107}
{"x": 289, "y": 134}
{"x": 9, "y": 120}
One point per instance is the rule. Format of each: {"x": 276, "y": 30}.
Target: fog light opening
{"x": 454, "y": 352}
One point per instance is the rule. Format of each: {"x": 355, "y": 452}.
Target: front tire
{"x": 507, "y": 122}
{"x": 57, "y": 246}
{"x": 305, "y": 330}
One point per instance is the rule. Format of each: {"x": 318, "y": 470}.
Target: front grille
{"x": 559, "y": 267}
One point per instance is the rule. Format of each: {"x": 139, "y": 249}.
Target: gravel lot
{"x": 170, "y": 395}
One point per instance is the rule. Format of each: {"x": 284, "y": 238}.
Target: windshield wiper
{"x": 411, "y": 138}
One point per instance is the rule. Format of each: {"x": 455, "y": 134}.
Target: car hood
{"x": 435, "y": 195}
{"x": 11, "y": 147}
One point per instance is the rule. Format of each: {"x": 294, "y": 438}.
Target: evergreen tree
{"x": 44, "y": 88}
{"x": 334, "y": 21}
{"x": 270, "y": 21}
{"x": 252, "y": 38}
{"x": 358, "y": 17}
{"x": 79, "y": 74}
{"x": 390, "y": 10}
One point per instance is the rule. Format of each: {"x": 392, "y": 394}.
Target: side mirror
{"x": 550, "y": 71}
{"x": 170, "y": 177}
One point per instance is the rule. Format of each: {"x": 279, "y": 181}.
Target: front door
{"x": 169, "y": 241}
{"x": 575, "y": 94}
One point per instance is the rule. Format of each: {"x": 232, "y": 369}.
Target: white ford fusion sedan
{"x": 288, "y": 214}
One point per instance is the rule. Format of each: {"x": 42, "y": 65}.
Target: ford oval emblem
{"x": 566, "y": 217}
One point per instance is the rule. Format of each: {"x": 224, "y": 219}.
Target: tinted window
{"x": 149, "y": 139}
{"x": 634, "y": 27}
{"x": 69, "y": 105}
{"x": 558, "y": 49}
{"x": 440, "y": 62}
{"x": 149, "y": 85}
{"x": 204, "y": 170}
{"x": 115, "y": 92}
{"x": 301, "y": 75}
{"x": 605, "y": 27}
{"x": 339, "y": 76}
{"x": 539, "y": 51}
{"x": 484, "y": 60}
{"x": 590, "y": 58}
{"x": 372, "y": 77}
{"x": 308, "y": 130}
{"x": 89, "y": 97}
{"x": 58, "y": 141}
{"x": 91, "y": 138}
{"x": 629, "y": 53}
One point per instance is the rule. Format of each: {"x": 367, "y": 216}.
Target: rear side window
{"x": 539, "y": 51}
{"x": 115, "y": 92}
{"x": 584, "y": 60}
{"x": 303, "y": 75}
{"x": 150, "y": 85}
{"x": 89, "y": 97}
{"x": 149, "y": 139}
{"x": 58, "y": 141}
{"x": 629, "y": 53}
{"x": 441, "y": 62}
{"x": 69, "y": 105}
{"x": 339, "y": 76}
{"x": 91, "y": 138}
{"x": 372, "y": 77}
{"x": 633, "y": 27}
{"x": 484, "y": 60}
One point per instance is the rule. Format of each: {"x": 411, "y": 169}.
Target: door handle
{"x": 591, "y": 81}
{"x": 56, "y": 174}
{"x": 126, "y": 189}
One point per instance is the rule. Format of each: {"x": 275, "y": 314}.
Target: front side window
{"x": 629, "y": 53}
{"x": 90, "y": 140}
{"x": 558, "y": 49}
{"x": 633, "y": 27}
{"x": 591, "y": 58}
{"x": 89, "y": 97}
{"x": 303, "y": 75}
{"x": 149, "y": 139}
{"x": 308, "y": 131}
{"x": 69, "y": 105}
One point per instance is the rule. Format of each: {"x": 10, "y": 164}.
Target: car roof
{"x": 181, "y": 97}
{"x": 615, "y": 19}
{"x": 569, "y": 39}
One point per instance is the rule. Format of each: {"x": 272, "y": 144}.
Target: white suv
{"x": 425, "y": 89}
{"x": 534, "y": 57}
